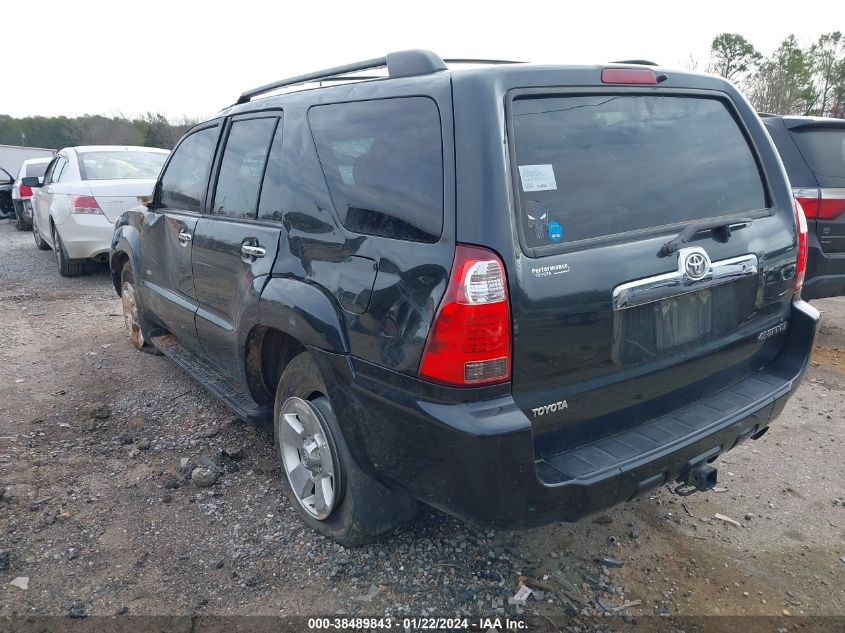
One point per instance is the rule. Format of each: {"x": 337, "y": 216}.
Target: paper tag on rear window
{"x": 537, "y": 177}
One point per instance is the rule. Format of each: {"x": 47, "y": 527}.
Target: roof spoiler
{"x": 409, "y": 63}
{"x": 640, "y": 62}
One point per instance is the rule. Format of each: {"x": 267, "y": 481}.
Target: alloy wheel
{"x": 307, "y": 457}
{"x": 130, "y": 315}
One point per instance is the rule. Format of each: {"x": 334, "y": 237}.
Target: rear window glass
{"x": 823, "y": 149}
{"x": 383, "y": 162}
{"x": 120, "y": 165}
{"x": 36, "y": 170}
{"x": 600, "y": 165}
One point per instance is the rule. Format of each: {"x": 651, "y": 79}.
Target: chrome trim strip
{"x": 673, "y": 284}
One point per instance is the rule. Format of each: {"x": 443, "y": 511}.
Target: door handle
{"x": 185, "y": 237}
{"x": 251, "y": 250}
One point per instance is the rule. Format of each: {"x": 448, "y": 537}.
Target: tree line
{"x": 151, "y": 129}
{"x": 794, "y": 79}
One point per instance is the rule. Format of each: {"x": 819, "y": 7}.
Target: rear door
{"x": 609, "y": 329}
{"x": 168, "y": 231}
{"x": 43, "y": 202}
{"x": 235, "y": 245}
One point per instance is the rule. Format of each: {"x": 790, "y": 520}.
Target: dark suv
{"x": 813, "y": 153}
{"x": 516, "y": 293}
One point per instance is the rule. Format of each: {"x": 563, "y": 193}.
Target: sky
{"x": 188, "y": 58}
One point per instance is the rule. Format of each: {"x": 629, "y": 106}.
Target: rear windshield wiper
{"x": 720, "y": 228}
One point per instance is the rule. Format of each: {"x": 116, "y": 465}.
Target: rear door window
{"x": 58, "y": 169}
{"x": 383, "y": 162}
{"x": 270, "y": 205}
{"x": 823, "y": 149}
{"x": 242, "y": 167}
{"x": 602, "y": 165}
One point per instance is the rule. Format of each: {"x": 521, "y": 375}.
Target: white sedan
{"x": 85, "y": 189}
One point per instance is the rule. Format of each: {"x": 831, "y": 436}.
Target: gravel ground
{"x": 97, "y": 442}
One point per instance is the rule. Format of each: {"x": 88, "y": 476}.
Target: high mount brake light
{"x": 469, "y": 343}
{"x": 628, "y": 76}
{"x": 84, "y": 205}
{"x": 801, "y": 265}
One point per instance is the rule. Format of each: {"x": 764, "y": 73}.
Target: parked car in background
{"x": 813, "y": 153}
{"x": 7, "y": 183}
{"x": 515, "y": 333}
{"x": 22, "y": 194}
{"x": 11, "y": 156}
{"x": 84, "y": 190}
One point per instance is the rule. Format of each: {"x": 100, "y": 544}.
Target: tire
{"x": 20, "y": 223}
{"x": 361, "y": 508}
{"x": 66, "y": 267}
{"x": 137, "y": 326}
{"x": 39, "y": 241}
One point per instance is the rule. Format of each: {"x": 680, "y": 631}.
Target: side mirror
{"x": 31, "y": 181}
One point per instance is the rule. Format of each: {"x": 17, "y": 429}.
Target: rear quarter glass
{"x": 598, "y": 165}
{"x": 383, "y": 163}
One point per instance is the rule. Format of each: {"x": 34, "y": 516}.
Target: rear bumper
{"x": 476, "y": 460}
{"x": 825, "y": 271}
{"x": 86, "y": 236}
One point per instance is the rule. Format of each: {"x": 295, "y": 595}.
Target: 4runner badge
{"x": 550, "y": 408}
{"x": 780, "y": 327}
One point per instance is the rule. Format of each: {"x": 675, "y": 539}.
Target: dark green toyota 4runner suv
{"x": 516, "y": 293}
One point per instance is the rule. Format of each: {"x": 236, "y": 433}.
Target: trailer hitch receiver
{"x": 701, "y": 477}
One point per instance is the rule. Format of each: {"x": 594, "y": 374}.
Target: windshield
{"x": 120, "y": 165}
{"x": 599, "y": 165}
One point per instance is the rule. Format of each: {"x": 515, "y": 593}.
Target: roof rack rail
{"x": 482, "y": 61}
{"x": 407, "y": 63}
{"x": 641, "y": 62}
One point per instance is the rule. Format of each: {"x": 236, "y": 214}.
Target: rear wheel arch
{"x": 268, "y": 351}
{"x": 305, "y": 312}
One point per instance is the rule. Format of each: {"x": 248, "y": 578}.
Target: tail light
{"x": 470, "y": 340}
{"x": 628, "y": 76}
{"x": 84, "y": 205}
{"x": 801, "y": 266}
{"x": 25, "y": 191}
{"x": 821, "y": 204}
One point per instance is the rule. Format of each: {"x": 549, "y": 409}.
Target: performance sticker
{"x": 548, "y": 271}
{"x": 537, "y": 177}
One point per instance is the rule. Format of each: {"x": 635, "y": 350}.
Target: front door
{"x": 233, "y": 248}
{"x": 168, "y": 232}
